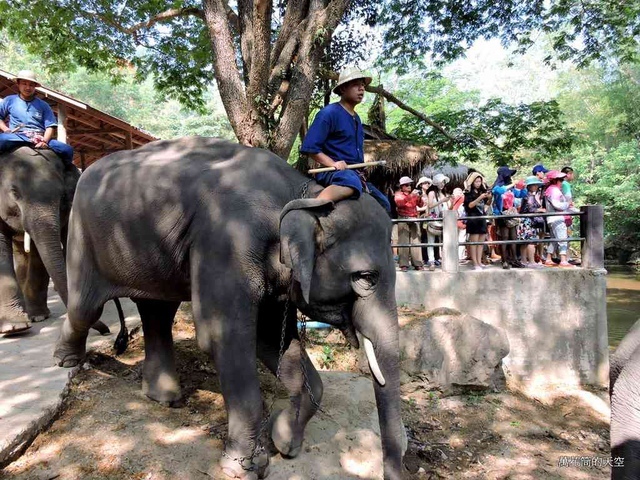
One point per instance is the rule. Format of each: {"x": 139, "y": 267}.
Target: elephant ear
{"x": 298, "y": 223}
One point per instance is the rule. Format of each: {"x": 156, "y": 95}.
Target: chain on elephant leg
{"x": 253, "y": 467}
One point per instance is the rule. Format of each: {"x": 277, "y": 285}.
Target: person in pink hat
{"x": 556, "y": 202}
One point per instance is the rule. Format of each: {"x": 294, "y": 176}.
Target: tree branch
{"x": 226, "y": 69}
{"x": 393, "y": 99}
{"x": 295, "y": 13}
{"x": 161, "y": 17}
{"x": 320, "y": 28}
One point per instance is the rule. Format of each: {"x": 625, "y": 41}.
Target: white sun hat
{"x": 405, "y": 181}
{"x": 26, "y": 75}
{"x": 424, "y": 180}
{"x": 349, "y": 74}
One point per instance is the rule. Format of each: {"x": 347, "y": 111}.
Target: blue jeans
{"x": 9, "y": 141}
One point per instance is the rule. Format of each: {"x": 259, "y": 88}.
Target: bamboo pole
{"x": 349, "y": 167}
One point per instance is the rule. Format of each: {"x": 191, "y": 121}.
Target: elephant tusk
{"x": 373, "y": 362}
{"x": 27, "y": 242}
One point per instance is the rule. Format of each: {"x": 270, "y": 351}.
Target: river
{"x": 623, "y": 301}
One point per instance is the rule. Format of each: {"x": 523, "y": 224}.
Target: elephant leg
{"x": 225, "y": 315}
{"x": 160, "y": 381}
{"x": 82, "y": 312}
{"x": 13, "y": 317}
{"x": 33, "y": 279}
{"x": 288, "y": 425}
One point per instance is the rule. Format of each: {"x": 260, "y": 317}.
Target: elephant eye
{"x": 365, "y": 282}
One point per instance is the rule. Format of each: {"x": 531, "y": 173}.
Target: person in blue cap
{"x": 502, "y": 186}
{"x": 336, "y": 139}
{"x": 539, "y": 171}
{"x": 31, "y": 120}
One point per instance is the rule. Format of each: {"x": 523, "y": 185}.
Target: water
{"x": 623, "y": 301}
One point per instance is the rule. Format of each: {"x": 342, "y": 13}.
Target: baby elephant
{"x": 240, "y": 234}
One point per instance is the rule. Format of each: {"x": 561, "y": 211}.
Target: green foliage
{"x": 327, "y": 358}
{"x": 494, "y": 130}
{"x": 442, "y": 29}
{"x": 612, "y": 178}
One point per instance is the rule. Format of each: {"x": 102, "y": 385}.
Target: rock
{"x": 634, "y": 259}
{"x": 453, "y": 352}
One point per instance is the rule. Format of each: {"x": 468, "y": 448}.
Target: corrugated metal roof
{"x": 92, "y": 133}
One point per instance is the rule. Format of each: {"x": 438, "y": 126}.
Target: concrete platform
{"x": 32, "y": 388}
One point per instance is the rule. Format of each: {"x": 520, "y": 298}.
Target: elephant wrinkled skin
{"x": 224, "y": 226}
{"x": 625, "y": 406}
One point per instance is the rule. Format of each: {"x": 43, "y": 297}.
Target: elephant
{"x": 240, "y": 234}
{"x": 36, "y": 192}
{"x": 624, "y": 367}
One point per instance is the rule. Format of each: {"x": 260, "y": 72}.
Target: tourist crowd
{"x": 544, "y": 191}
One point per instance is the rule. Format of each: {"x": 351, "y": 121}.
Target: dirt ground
{"x": 109, "y": 430}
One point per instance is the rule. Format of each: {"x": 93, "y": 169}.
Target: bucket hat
{"x": 439, "y": 178}
{"x": 26, "y": 75}
{"x": 424, "y": 180}
{"x": 533, "y": 180}
{"x": 349, "y": 74}
{"x": 405, "y": 181}
{"x": 553, "y": 174}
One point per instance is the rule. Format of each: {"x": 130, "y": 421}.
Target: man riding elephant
{"x": 247, "y": 239}
{"x": 31, "y": 120}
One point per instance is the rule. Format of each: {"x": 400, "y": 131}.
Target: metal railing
{"x": 591, "y": 235}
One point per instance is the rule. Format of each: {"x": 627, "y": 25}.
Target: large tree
{"x": 266, "y": 57}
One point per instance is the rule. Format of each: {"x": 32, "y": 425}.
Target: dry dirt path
{"x": 109, "y": 430}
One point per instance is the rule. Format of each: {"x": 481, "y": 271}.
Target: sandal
{"x": 550, "y": 263}
{"x": 566, "y": 265}
{"x": 404, "y": 269}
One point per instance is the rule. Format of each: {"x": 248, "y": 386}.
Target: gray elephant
{"x": 36, "y": 192}
{"x": 625, "y": 406}
{"x": 239, "y": 233}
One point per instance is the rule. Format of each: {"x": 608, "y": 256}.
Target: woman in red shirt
{"x": 407, "y": 203}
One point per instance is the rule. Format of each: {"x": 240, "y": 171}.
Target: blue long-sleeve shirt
{"x": 336, "y": 133}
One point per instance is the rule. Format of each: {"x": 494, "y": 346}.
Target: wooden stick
{"x": 349, "y": 167}
{"x": 14, "y": 130}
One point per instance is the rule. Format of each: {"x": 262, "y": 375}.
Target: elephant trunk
{"x": 377, "y": 320}
{"x": 45, "y": 231}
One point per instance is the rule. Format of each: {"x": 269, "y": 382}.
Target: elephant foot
{"x": 8, "y": 328}
{"x": 69, "y": 355}
{"x": 165, "y": 390}
{"x": 287, "y": 436}
{"x": 38, "y": 318}
{"x": 244, "y": 469}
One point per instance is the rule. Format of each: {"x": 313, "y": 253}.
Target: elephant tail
{"x": 122, "y": 340}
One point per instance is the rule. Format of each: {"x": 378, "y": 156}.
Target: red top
{"x": 406, "y": 204}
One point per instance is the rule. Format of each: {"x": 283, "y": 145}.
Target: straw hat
{"x": 468, "y": 183}
{"x": 424, "y": 180}
{"x": 405, "y": 181}
{"x": 26, "y": 75}
{"x": 349, "y": 74}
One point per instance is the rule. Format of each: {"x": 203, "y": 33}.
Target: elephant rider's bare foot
{"x": 68, "y": 355}
{"x": 164, "y": 390}
{"x": 9, "y": 328}
{"x": 286, "y": 433}
{"x": 244, "y": 469}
